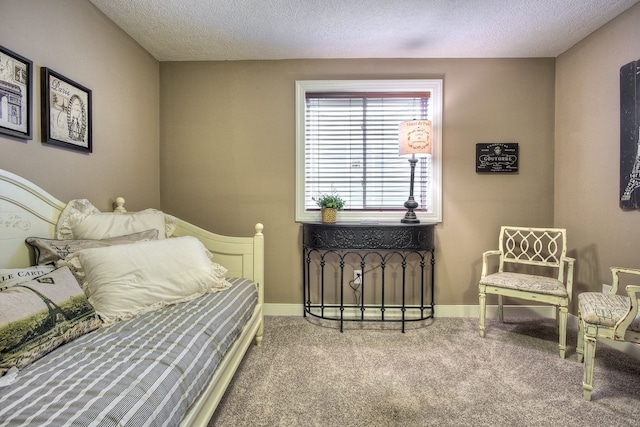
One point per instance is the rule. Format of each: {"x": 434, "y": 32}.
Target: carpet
{"x": 439, "y": 373}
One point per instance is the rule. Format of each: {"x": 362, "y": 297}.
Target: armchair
{"x": 607, "y": 315}
{"x": 531, "y": 266}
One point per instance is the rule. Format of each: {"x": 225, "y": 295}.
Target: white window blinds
{"x": 351, "y": 146}
{"x": 347, "y": 141}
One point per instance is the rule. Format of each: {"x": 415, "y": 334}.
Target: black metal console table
{"x": 393, "y": 248}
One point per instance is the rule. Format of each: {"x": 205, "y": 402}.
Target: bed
{"x": 181, "y": 326}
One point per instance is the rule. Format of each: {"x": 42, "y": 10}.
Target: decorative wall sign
{"x": 16, "y": 81}
{"x": 66, "y": 112}
{"x": 630, "y": 135}
{"x": 497, "y": 157}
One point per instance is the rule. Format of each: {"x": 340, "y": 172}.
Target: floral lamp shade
{"x": 415, "y": 137}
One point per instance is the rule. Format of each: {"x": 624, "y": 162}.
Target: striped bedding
{"x": 145, "y": 371}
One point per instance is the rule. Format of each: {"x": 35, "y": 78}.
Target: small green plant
{"x": 330, "y": 200}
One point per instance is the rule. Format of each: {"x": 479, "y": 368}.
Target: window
{"x": 347, "y": 141}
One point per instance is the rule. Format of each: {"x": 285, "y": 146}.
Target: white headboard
{"x": 25, "y": 210}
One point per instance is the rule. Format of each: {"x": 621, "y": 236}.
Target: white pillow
{"x": 105, "y": 225}
{"x": 124, "y": 281}
{"x": 81, "y": 220}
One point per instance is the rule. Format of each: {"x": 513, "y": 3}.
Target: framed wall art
{"x": 497, "y": 157}
{"x": 66, "y": 112}
{"x": 630, "y": 135}
{"x": 16, "y": 82}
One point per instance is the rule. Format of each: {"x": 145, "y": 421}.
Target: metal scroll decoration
{"x": 630, "y": 136}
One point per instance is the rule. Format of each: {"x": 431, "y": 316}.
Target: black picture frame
{"x": 16, "y": 85}
{"x": 630, "y": 136}
{"x": 497, "y": 157}
{"x": 66, "y": 112}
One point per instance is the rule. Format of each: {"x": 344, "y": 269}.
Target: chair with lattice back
{"x": 532, "y": 265}
{"x": 607, "y": 315}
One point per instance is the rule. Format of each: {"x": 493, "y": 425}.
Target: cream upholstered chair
{"x": 607, "y": 315}
{"x": 531, "y": 266}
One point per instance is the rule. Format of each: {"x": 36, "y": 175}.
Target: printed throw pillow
{"x": 40, "y": 315}
{"x": 52, "y": 250}
{"x": 13, "y": 276}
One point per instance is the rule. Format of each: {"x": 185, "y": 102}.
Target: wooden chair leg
{"x": 482, "y": 297}
{"x": 562, "y": 330}
{"x": 580, "y": 344}
{"x": 500, "y": 309}
{"x": 589, "y": 361}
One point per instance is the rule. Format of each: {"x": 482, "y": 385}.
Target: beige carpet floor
{"x": 439, "y": 373}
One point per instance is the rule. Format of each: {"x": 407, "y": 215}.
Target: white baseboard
{"x": 441, "y": 310}
{"x": 283, "y": 309}
{"x": 474, "y": 311}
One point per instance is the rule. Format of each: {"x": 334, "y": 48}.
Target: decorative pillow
{"x": 52, "y": 250}
{"x": 81, "y": 220}
{"x": 40, "y": 315}
{"x": 125, "y": 281}
{"x": 12, "y": 276}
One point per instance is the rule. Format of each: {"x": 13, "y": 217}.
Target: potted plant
{"x": 330, "y": 203}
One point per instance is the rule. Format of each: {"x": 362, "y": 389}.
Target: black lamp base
{"x": 411, "y": 204}
{"x": 410, "y": 217}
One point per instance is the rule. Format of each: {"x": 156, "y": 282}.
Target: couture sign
{"x": 497, "y": 157}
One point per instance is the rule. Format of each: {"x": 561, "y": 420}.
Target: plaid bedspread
{"x": 145, "y": 371}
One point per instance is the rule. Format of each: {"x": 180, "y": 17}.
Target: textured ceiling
{"x": 200, "y": 30}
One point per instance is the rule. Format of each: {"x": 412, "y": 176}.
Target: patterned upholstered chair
{"x": 607, "y": 315}
{"x": 532, "y": 265}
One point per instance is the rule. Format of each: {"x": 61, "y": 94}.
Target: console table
{"x": 389, "y": 255}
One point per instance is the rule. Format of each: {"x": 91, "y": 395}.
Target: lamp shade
{"x": 415, "y": 137}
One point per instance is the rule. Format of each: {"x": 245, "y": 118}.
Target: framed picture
{"x": 497, "y": 157}
{"x": 66, "y": 112}
{"x": 16, "y": 88}
{"x": 630, "y": 136}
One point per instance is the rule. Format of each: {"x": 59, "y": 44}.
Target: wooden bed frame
{"x": 26, "y": 210}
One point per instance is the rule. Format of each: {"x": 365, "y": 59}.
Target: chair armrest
{"x": 569, "y": 283}
{"x": 616, "y": 271}
{"x": 485, "y": 259}
{"x": 632, "y": 292}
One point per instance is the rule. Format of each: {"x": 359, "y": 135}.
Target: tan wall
{"x": 76, "y": 40}
{"x": 228, "y": 143}
{"x": 587, "y": 159}
{"x": 219, "y": 118}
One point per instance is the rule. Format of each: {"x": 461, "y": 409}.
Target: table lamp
{"x": 414, "y": 137}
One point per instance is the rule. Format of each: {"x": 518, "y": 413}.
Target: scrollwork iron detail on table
{"x": 374, "y": 236}
{"x": 380, "y": 244}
